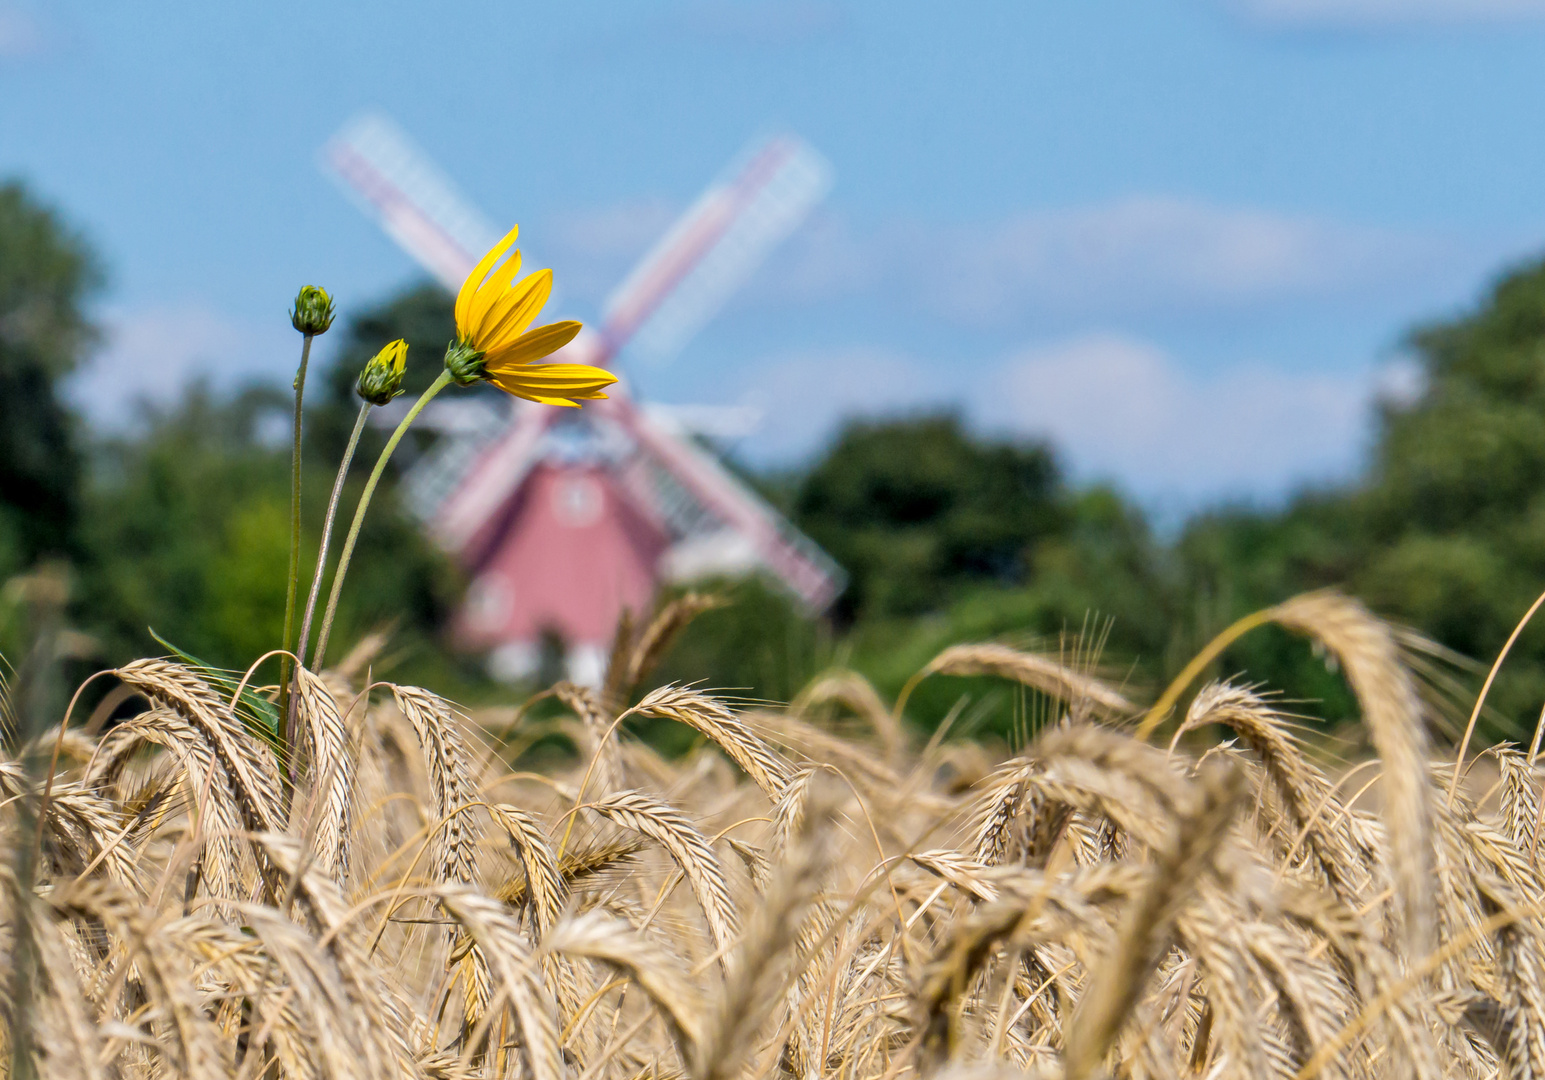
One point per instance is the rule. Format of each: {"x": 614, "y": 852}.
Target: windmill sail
{"x": 716, "y": 245}
{"x": 417, "y": 205}
{"x": 564, "y": 519}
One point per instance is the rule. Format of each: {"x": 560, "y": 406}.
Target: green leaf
{"x": 259, "y": 714}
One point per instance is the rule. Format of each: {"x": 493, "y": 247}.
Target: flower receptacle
{"x": 464, "y": 363}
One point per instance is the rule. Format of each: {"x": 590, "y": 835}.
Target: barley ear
{"x": 1147, "y": 925}
{"x": 1392, "y": 710}
{"x": 764, "y": 965}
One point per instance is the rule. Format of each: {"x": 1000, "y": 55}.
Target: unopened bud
{"x": 313, "y": 312}
{"x": 381, "y": 379}
{"x": 464, "y": 362}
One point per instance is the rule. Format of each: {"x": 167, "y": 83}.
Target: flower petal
{"x": 479, "y": 272}
{"x": 513, "y": 312}
{"x": 533, "y": 345}
{"x": 496, "y": 288}
{"x": 567, "y": 379}
{"x": 553, "y": 384}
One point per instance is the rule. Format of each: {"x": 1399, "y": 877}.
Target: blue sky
{"x": 1181, "y": 239}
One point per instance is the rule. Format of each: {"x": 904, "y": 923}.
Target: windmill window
{"x": 577, "y": 502}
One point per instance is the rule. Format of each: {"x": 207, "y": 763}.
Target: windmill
{"x": 564, "y": 519}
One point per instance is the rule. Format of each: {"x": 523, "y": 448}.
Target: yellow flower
{"x": 493, "y": 311}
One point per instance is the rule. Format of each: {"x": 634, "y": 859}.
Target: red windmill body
{"x": 568, "y": 552}
{"x": 564, "y": 518}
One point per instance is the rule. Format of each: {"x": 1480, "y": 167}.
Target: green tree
{"x": 1446, "y": 530}
{"x": 1099, "y": 593}
{"x": 915, "y": 508}
{"x": 1453, "y": 514}
{"x": 948, "y": 537}
{"x": 47, "y": 273}
{"x": 187, "y": 532}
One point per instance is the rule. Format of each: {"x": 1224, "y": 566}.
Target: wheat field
{"x": 813, "y": 892}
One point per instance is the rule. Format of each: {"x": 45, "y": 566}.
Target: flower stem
{"x": 327, "y": 529}
{"x": 294, "y": 575}
{"x": 359, "y": 514}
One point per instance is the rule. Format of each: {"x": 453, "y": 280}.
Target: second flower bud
{"x": 381, "y": 379}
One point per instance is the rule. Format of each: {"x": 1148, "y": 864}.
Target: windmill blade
{"x": 722, "y": 525}
{"x": 715, "y": 246}
{"x": 705, "y": 421}
{"x": 795, "y": 560}
{"x": 396, "y": 183}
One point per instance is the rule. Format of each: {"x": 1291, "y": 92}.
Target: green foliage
{"x": 46, "y": 275}
{"x": 259, "y": 714}
{"x": 1453, "y": 516}
{"x": 1445, "y": 533}
{"x": 422, "y": 316}
{"x": 1099, "y": 594}
{"x": 916, "y": 508}
{"x": 188, "y": 529}
{"x": 173, "y": 512}
{"x": 947, "y": 536}
{"x": 759, "y": 645}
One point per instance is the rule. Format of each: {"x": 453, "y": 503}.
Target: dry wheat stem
{"x": 1480, "y": 699}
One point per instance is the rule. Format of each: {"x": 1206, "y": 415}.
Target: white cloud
{"x": 1373, "y": 14}
{"x": 1121, "y": 408}
{"x": 1133, "y": 255}
{"x": 1137, "y": 255}
{"x": 152, "y": 354}
{"x": 1113, "y": 406}
{"x": 1158, "y": 252}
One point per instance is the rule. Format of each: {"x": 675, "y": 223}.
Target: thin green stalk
{"x": 327, "y": 528}
{"x": 294, "y": 574}
{"x": 359, "y": 514}
{"x": 287, "y": 720}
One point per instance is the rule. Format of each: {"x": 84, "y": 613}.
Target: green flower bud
{"x": 464, "y": 362}
{"x": 313, "y": 312}
{"x": 381, "y": 379}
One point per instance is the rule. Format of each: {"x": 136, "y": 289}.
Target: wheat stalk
{"x": 718, "y": 723}
{"x": 1392, "y": 710}
{"x": 1051, "y": 677}
{"x": 674, "y": 831}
